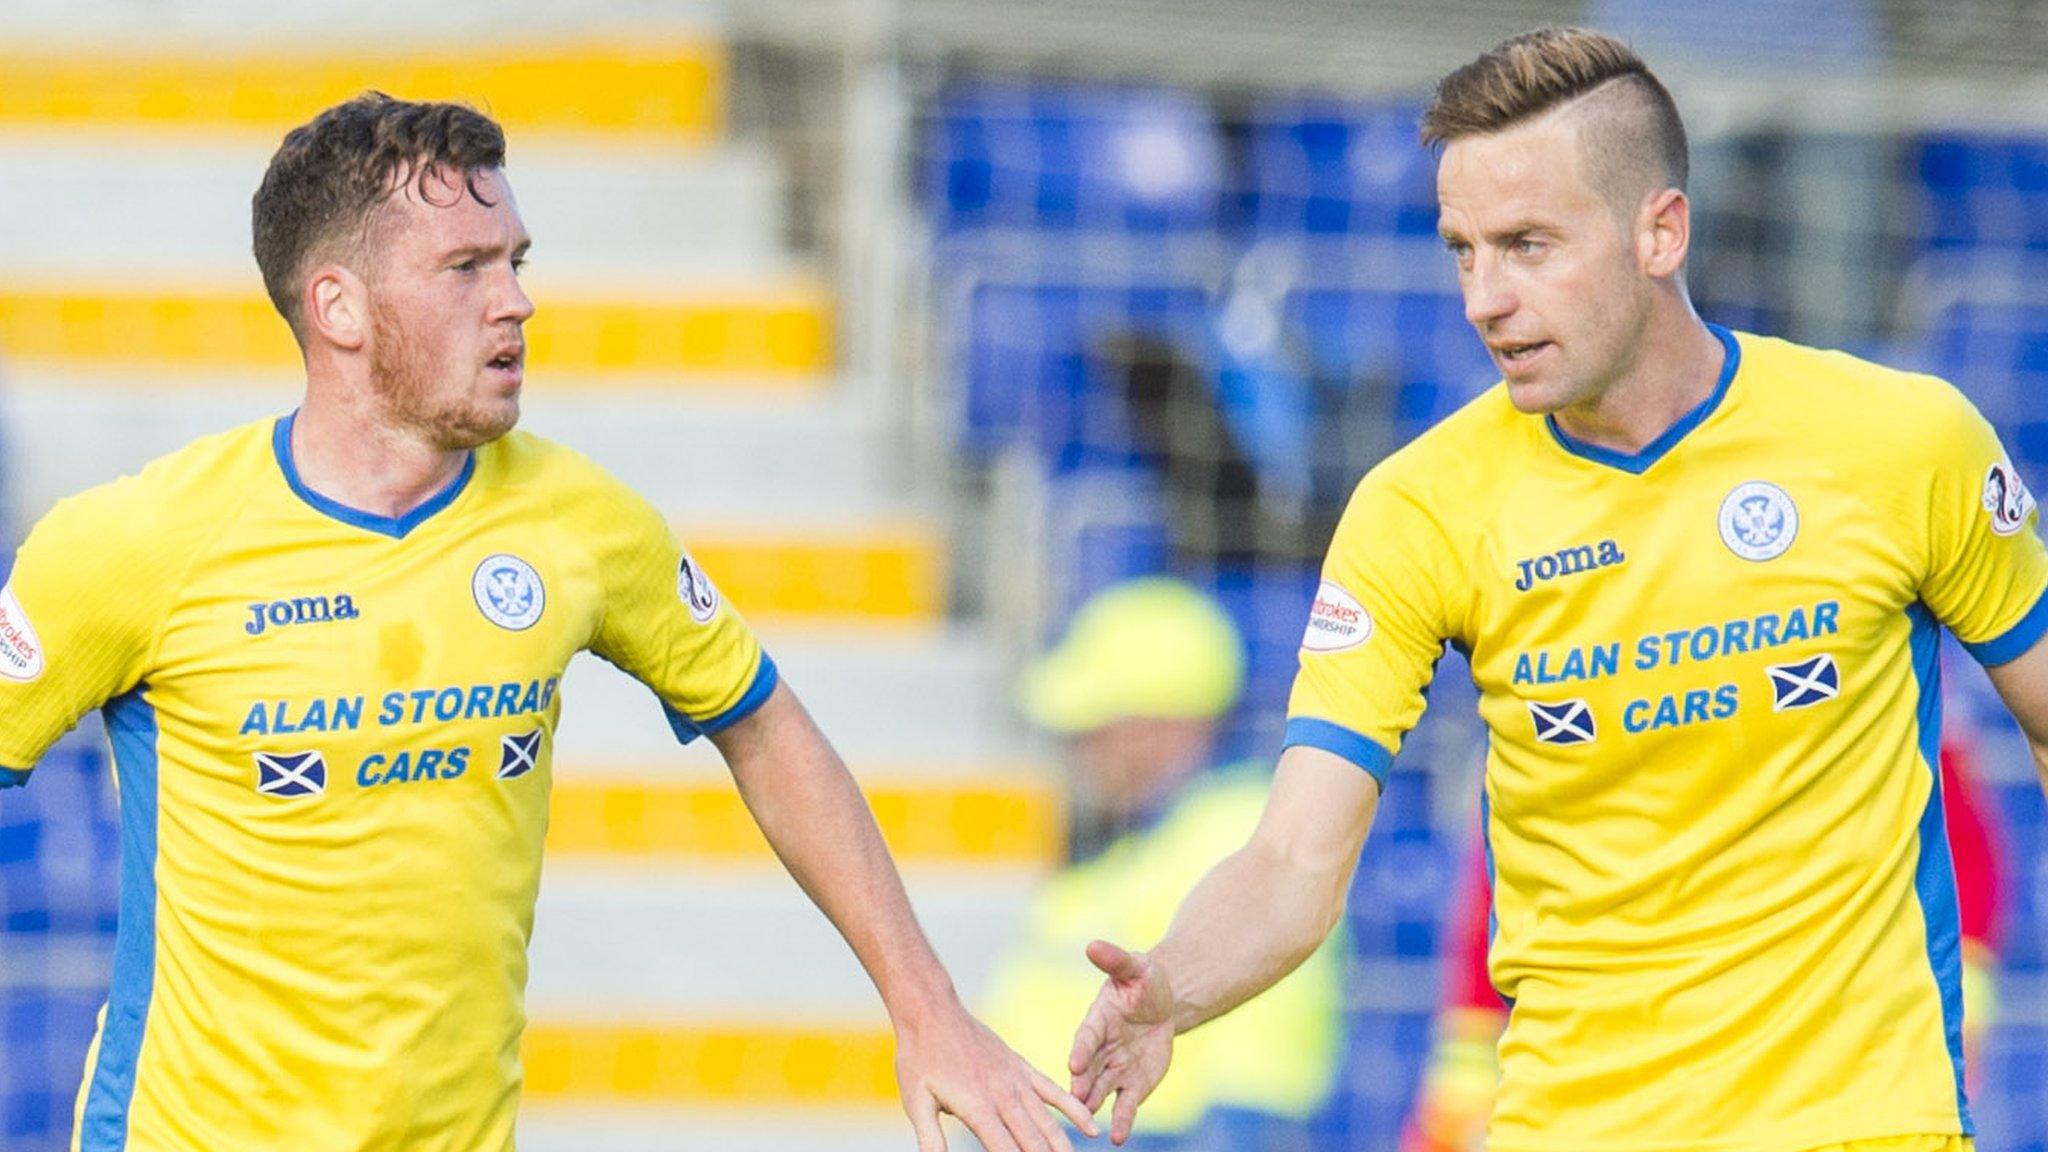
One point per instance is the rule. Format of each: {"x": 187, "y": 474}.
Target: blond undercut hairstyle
{"x": 1631, "y": 131}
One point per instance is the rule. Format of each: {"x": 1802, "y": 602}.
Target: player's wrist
{"x": 925, "y": 1005}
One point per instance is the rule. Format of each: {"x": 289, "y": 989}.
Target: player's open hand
{"x": 955, "y": 1064}
{"x": 1126, "y": 1040}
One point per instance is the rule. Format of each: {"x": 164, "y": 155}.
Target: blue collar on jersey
{"x": 395, "y": 527}
{"x": 1637, "y": 463}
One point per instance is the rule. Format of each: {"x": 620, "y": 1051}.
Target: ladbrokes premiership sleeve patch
{"x": 21, "y": 653}
{"x": 1336, "y": 621}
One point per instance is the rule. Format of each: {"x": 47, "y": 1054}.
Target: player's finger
{"x": 1115, "y": 963}
{"x": 924, "y": 1120}
{"x": 1068, "y": 1103}
{"x": 1105, "y": 1082}
{"x": 988, "y": 1127}
{"x": 1087, "y": 1041}
{"x": 1125, "y": 1113}
{"x": 1024, "y": 1124}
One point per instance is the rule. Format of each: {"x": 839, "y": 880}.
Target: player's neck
{"x": 346, "y": 454}
{"x": 1674, "y": 373}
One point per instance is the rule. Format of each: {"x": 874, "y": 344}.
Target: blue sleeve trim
{"x": 2016, "y": 640}
{"x": 13, "y": 777}
{"x": 765, "y": 679}
{"x": 1363, "y": 751}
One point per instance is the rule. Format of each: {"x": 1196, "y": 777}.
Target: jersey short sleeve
{"x": 666, "y": 624}
{"x": 79, "y": 618}
{"x": 1376, "y": 628}
{"x": 1987, "y": 570}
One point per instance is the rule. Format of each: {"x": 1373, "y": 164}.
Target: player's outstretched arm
{"x": 2023, "y": 683}
{"x": 816, "y": 819}
{"x": 1253, "y": 919}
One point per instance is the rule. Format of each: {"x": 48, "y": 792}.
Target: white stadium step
{"x": 166, "y": 205}
{"x": 916, "y": 700}
{"x": 628, "y": 941}
{"x": 622, "y": 1128}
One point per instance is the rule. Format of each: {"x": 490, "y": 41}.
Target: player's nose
{"x": 1487, "y": 297}
{"x": 513, "y": 302}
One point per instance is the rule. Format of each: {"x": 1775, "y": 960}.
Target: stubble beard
{"x": 403, "y": 377}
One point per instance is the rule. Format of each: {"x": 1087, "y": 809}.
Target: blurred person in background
{"x": 1138, "y": 688}
{"x": 328, "y": 647}
{"x": 1458, "y": 1085}
{"x": 1702, "y": 579}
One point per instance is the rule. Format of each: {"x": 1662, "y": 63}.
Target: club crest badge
{"x": 508, "y": 592}
{"x": 2005, "y": 497}
{"x": 290, "y": 774}
{"x": 1563, "y": 722}
{"x": 696, "y": 590}
{"x": 1759, "y": 521}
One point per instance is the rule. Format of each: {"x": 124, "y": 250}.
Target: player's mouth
{"x": 1515, "y": 356}
{"x": 508, "y": 364}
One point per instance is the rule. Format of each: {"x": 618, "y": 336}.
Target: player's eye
{"x": 518, "y": 264}
{"x": 465, "y": 266}
{"x": 1525, "y": 246}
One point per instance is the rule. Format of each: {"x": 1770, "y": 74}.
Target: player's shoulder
{"x": 182, "y": 494}
{"x": 525, "y": 465}
{"x": 1462, "y": 461}
{"x": 1821, "y": 390}
{"x": 523, "y": 459}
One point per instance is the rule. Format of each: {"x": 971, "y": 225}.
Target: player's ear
{"x": 1664, "y": 232}
{"x": 338, "y": 307}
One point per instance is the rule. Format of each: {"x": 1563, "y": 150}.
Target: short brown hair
{"x": 331, "y": 174}
{"x": 1531, "y": 74}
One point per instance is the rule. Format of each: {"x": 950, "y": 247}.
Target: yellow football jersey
{"x": 331, "y": 735}
{"x": 1725, "y": 912}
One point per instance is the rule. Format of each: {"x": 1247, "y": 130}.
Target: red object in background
{"x": 1979, "y": 857}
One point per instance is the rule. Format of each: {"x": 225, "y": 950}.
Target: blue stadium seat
{"x": 1028, "y": 353}
{"x": 59, "y": 882}
{"x": 1416, "y": 341}
{"x": 1980, "y": 190}
{"x": 1072, "y": 157}
{"x": 1325, "y": 167}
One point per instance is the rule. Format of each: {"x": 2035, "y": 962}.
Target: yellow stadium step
{"x": 893, "y": 574}
{"x": 674, "y": 89}
{"x": 983, "y": 821}
{"x": 708, "y": 1063}
{"x": 775, "y": 334}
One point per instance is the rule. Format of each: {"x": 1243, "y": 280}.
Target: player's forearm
{"x": 1253, "y": 919}
{"x": 814, "y": 816}
{"x": 1266, "y": 907}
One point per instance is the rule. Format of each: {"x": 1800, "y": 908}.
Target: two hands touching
{"x": 955, "y": 1064}
{"x": 958, "y": 1066}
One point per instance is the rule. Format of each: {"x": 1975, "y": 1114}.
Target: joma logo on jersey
{"x": 1568, "y": 562}
{"x": 299, "y": 610}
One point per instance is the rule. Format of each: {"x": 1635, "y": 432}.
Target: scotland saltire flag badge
{"x": 1804, "y": 684}
{"x": 1564, "y": 722}
{"x": 518, "y": 755}
{"x": 291, "y": 773}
